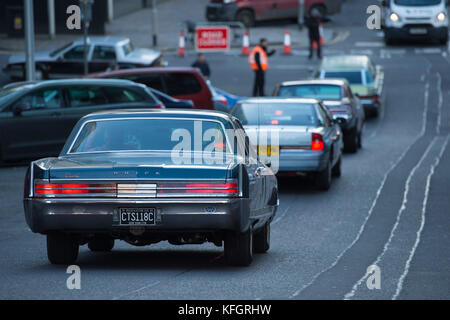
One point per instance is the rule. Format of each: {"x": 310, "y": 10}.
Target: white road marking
{"x": 137, "y": 290}
{"x": 377, "y": 195}
{"x": 281, "y": 216}
{"x": 428, "y": 51}
{"x": 371, "y": 44}
{"x": 440, "y": 102}
{"x": 422, "y": 223}
{"x": 367, "y": 52}
{"x": 352, "y": 293}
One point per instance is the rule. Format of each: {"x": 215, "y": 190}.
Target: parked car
{"x": 250, "y": 11}
{"x": 309, "y": 140}
{"x": 366, "y": 79}
{"x": 36, "y": 117}
{"x": 336, "y": 95}
{"x": 170, "y": 102}
{"x": 179, "y": 82}
{"x": 68, "y": 61}
{"x": 116, "y": 178}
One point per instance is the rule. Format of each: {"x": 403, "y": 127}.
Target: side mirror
{"x": 267, "y": 162}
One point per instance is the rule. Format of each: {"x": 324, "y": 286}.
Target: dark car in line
{"x": 68, "y": 61}
{"x": 170, "y": 102}
{"x": 121, "y": 175}
{"x": 178, "y": 82}
{"x": 37, "y": 117}
{"x": 336, "y": 95}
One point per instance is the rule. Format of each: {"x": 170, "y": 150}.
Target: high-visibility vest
{"x": 263, "y": 59}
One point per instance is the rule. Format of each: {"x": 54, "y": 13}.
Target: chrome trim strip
{"x": 133, "y": 201}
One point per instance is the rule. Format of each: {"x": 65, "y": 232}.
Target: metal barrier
{"x": 237, "y": 30}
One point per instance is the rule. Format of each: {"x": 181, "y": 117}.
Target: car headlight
{"x": 394, "y": 17}
{"x": 441, "y": 17}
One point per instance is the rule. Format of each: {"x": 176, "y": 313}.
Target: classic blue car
{"x": 144, "y": 176}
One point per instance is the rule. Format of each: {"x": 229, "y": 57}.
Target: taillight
{"x": 376, "y": 99}
{"x": 317, "y": 142}
{"x": 160, "y": 106}
{"x": 193, "y": 189}
{"x": 73, "y": 189}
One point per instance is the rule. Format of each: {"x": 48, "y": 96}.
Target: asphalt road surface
{"x": 390, "y": 208}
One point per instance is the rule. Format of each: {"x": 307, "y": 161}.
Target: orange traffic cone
{"x": 322, "y": 40}
{"x": 287, "y": 49}
{"x": 181, "y": 49}
{"x": 245, "y": 45}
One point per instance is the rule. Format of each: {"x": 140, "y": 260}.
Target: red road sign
{"x": 212, "y": 38}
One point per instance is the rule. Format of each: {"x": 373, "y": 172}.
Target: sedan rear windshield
{"x": 283, "y": 114}
{"x": 324, "y": 92}
{"x": 150, "y": 135}
{"x": 417, "y": 3}
{"x": 353, "y": 77}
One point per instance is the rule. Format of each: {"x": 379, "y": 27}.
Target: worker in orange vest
{"x": 259, "y": 62}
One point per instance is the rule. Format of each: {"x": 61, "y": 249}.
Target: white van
{"x": 415, "y": 19}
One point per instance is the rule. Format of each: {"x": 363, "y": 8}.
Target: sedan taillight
{"x": 194, "y": 189}
{"x": 317, "y": 142}
{"x": 74, "y": 189}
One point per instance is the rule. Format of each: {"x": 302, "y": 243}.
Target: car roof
{"x": 337, "y": 82}
{"x": 133, "y": 113}
{"x": 69, "y": 82}
{"x": 103, "y": 40}
{"x": 263, "y": 100}
{"x": 144, "y": 71}
{"x": 345, "y": 62}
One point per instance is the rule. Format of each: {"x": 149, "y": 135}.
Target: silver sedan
{"x": 299, "y": 136}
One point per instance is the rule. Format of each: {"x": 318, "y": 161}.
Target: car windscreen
{"x": 127, "y": 48}
{"x": 150, "y": 135}
{"x": 314, "y": 91}
{"x": 353, "y": 77}
{"x": 417, "y": 3}
{"x": 59, "y": 50}
{"x": 276, "y": 113}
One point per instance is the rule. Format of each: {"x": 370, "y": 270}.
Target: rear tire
{"x": 323, "y": 178}
{"x": 239, "y": 248}
{"x": 62, "y": 248}
{"x": 247, "y": 17}
{"x": 101, "y": 244}
{"x": 351, "y": 142}
{"x": 388, "y": 38}
{"x": 337, "y": 171}
{"x": 261, "y": 239}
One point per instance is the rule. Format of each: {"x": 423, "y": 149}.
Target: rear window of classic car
{"x": 150, "y": 135}
{"x": 353, "y": 77}
{"x": 287, "y": 114}
{"x": 325, "y": 92}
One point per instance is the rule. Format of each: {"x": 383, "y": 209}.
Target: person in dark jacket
{"x": 258, "y": 60}
{"x": 312, "y": 23}
{"x": 201, "y": 64}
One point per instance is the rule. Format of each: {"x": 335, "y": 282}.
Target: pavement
{"x": 389, "y": 208}
{"x": 138, "y": 27}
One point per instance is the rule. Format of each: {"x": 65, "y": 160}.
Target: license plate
{"x": 269, "y": 150}
{"x": 137, "y": 216}
{"x": 418, "y": 31}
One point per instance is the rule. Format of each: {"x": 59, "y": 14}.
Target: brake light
{"x": 160, "y": 106}
{"x": 198, "y": 189}
{"x": 274, "y": 122}
{"x": 70, "y": 189}
{"x": 317, "y": 142}
{"x": 376, "y": 98}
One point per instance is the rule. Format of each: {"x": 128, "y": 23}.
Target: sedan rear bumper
{"x": 302, "y": 161}
{"x": 100, "y": 215}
